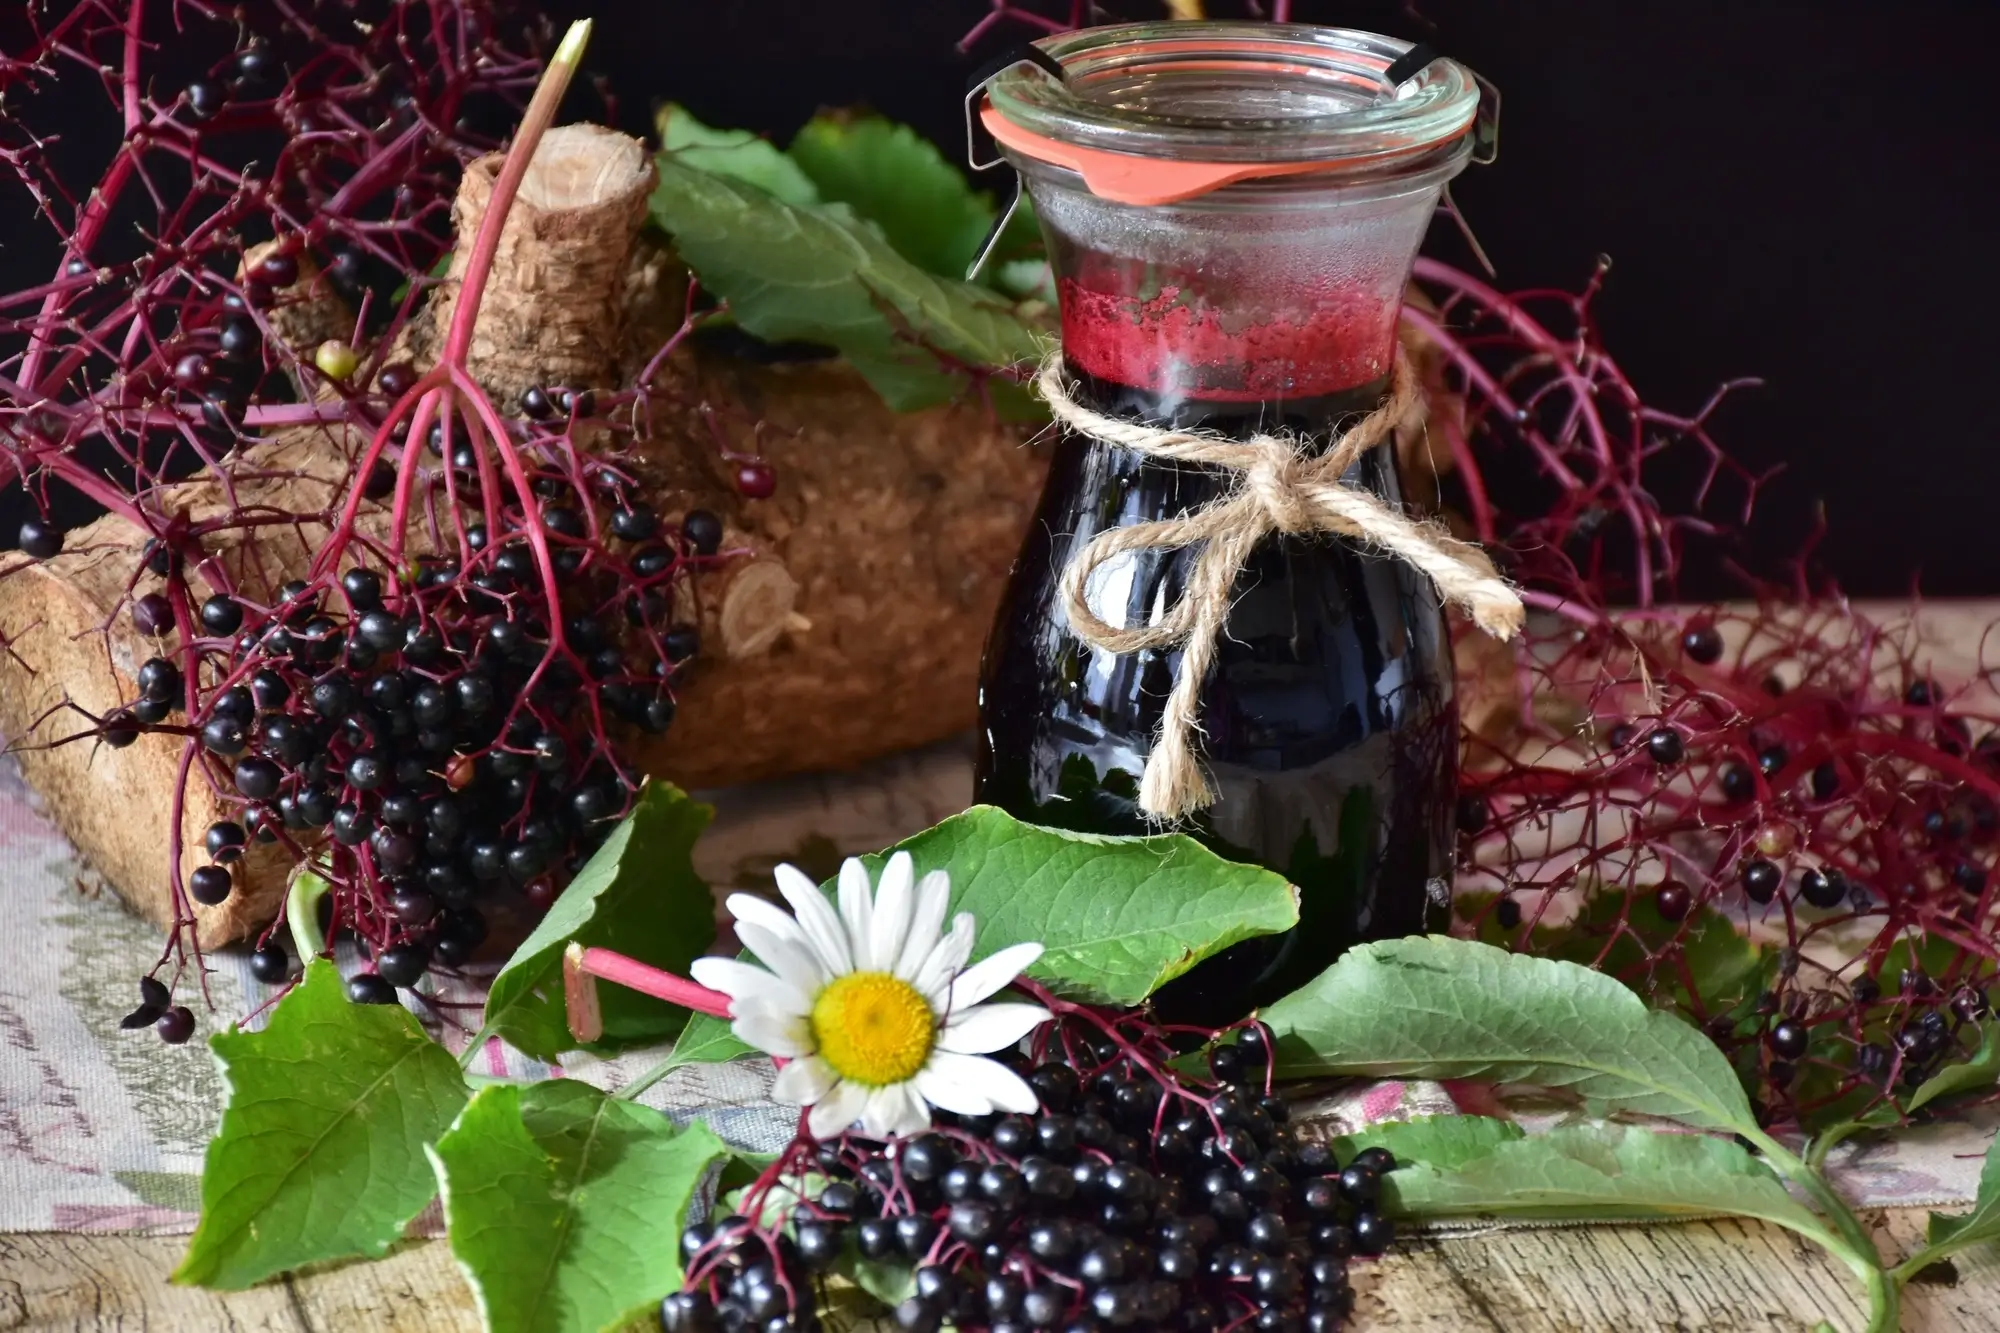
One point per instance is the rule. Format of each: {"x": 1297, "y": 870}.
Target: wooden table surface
{"x": 1732, "y": 1277}
{"x": 1724, "y": 1276}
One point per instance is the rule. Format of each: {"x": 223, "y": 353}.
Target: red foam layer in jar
{"x": 1342, "y": 340}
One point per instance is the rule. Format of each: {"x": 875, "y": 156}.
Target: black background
{"x": 1800, "y": 190}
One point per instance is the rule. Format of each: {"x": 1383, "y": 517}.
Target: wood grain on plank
{"x": 1725, "y": 1276}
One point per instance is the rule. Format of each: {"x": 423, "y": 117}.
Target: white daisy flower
{"x": 873, "y": 1005}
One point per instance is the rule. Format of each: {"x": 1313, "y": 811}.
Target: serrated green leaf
{"x": 1436, "y": 1007}
{"x": 638, "y": 894}
{"x": 1623, "y": 934}
{"x": 564, "y": 1206}
{"x": 1117, "y": 917}
{"x": 898, "y": 180}
{"x": 823, "y": 274}
{"x": 1446, "y": 1142}
{"x": 1982, "y": 1223}
{"x": 738, "y": 154}
{"x": 1981, "y": 1071}
{"x": 1604, "y": 1172}
{"x": 320, "y": 1154}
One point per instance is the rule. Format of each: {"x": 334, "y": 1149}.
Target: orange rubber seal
{"x": 1125, "y": 178}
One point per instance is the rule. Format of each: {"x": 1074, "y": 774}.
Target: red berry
{"x": 756, "y": 480}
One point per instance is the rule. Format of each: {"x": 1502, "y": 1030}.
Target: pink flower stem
{"x": 632, "y": 974}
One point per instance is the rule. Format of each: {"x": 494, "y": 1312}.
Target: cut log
{"x": 843, "y": 621}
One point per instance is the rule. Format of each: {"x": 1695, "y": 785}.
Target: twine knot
{"x": 1278, "y": 487}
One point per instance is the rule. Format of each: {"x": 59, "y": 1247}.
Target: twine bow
{"x": 1279, "y": 488}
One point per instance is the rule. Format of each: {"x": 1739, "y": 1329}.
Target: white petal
{"x": 857, "y": 911}
{"x": 926, "y": 924}
{"x": 792, "y": 959}
{"x": 837, "y": 1110}
{"x": 989, "y": 974}
{"x": 974, "y": 1078}
{"x": 939, "y": 1087}
{"x": 990, "y": 1027}
{"x": 817, "y": 918}
{"x": 742, "y": 981}
{"x": 804, "y": 1081}
{"x": 934, "y": 978}
{"x": 910, "y": 1114}
{"x": 790, "y": 1038}
{"x": 777, "y": 923}
{"x": 894, "y": 898}
{"x": 883, "y": 1112}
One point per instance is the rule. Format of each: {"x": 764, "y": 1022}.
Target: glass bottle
{"x": 1232, "y": 211}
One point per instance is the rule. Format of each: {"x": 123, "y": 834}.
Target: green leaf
{"x": 738, "y": 154}
{"x": 1624, "y": 935}
{"x": 1604, "y": 1172}
{"x": 638, "y": 894}
{"x": 1443, "y": 1141}
{"x": 1981, "y": 1071}
{"x": 822, "y": 274}
{"x": 898, "y": 180}
{"x": 320, "y": 1154}
{"x": 707, "y": 1040}
{"x": 887, "y": 1280}
{"x": 565, "y": 1206}
{"x": 1117, "y": 917}
{"x": 1436, "y": 1007}
{"x": 1982, "y": 1223}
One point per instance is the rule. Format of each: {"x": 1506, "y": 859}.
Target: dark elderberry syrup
{"x": 1329, "y": 729}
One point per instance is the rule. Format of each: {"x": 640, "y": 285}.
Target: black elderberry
{"x": 270, "y": 965}
{"x": 334, "y": 696}
{"x": 368, "y": 988}
{"x": 402, "y": 964}
{"x": 351, "y": 825}
{"x": 1665, "y": 746}
{"x": 1736, "y": 783}
{"x": 224, "y": 840}
{"x": 1379, "y": 1160}
{"x": 1919, "y": 695}
{"x": 1702, "y": 644}
{"x": 120, "y": 728}
{"x": 159, "y": 680}
{"x": 1373, "y": 1233}
{"x": 1761, "y": 880}
{"x": 702, "y": 531}
{"x": 535, "y": 403}
{"x": 1506, "y": 912}
{"x": 176, "y": 1025}
{"x": 563, "y": 521}
{"x": 224, "y": 736}
{"x": 209, "y": 885}
{"x": 150, "y": 711}
{"x": 1823, "y": 887}
{"x": 875, "y": 1237}
{"x": 40, "y": 540}
{"x": 681, "y": 643}
{"x": 1360, "y": 1186}
{"x": 916, "y": 1234}
{"x": 258, "y": 778}
{"x": 366, "y": 772}
{"x": 652, "y": 561}
{"x": 269, "y": 690}
{"x": 1789, "y": 1040}
{"x": 221, "y": 615}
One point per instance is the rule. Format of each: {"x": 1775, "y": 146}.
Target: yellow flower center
{"x": 873, "y": 1028}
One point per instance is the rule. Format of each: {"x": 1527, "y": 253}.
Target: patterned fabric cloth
{"x": 103, "y": 1130}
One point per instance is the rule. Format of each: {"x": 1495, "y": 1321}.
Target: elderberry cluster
{"x": 1134, "y": 1199}
{"x": 420, "y": 735}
